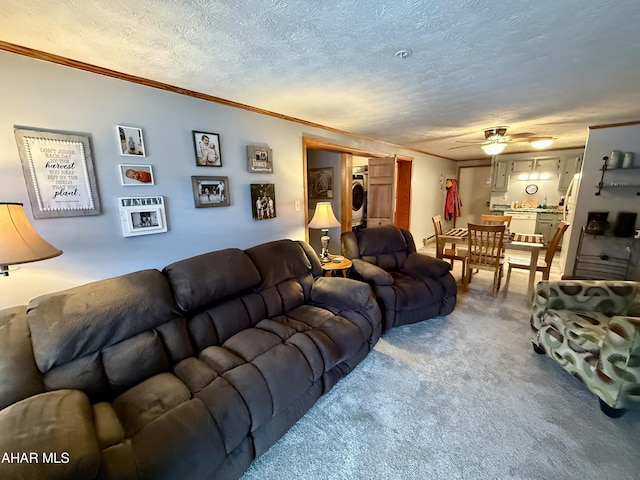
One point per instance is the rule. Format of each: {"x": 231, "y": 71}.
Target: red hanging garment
{"x": 452, "y": 204}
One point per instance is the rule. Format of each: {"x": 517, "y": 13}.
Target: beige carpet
{"x": 461, "y": 397}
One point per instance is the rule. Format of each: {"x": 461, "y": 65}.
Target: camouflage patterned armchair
{"x": 592, "y": 329}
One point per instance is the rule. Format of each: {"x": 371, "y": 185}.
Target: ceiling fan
{"x": 496, "y": 139}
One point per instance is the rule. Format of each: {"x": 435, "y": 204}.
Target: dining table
{"x": 531, "y": 242}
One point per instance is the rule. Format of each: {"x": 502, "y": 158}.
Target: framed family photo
{"x": 130, "y": 141}
{"x": 136, "y": 175}
{"x": 263, "y": 201}
{"x": 142, "y": 215}
{"x": 259, "y": 159}
{"x": 210, "y": 191}
{"x": 207, "y": 149}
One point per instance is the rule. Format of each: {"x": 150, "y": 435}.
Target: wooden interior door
{"x": 403, "y": 194}
{"x": 381, "y": 191}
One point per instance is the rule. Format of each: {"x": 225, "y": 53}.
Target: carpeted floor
{"x": 461, "y": 397}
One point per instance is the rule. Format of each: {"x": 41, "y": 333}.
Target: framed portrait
{"x": 320, "y": 183}
{"x": 59, "y": 173}
{"x": 142, "y": 215}
{"x": 207, "y": 149}
{"x": 259, "y": 159}
{"x": 210, "y": 191}
{"x": 130, "y": 141}
{"x": 131, "y": 175}
{"x": 263, "y": 201}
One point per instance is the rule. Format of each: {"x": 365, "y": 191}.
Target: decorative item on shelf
{"x": 614, "y": 159}
{"x": 627, "y": 161}
{"x": 19, "y": 242}
{"x": 324, "y": 219}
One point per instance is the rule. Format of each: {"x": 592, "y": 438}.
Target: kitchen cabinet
{"x": 546, "y": 165}
{"x": 522, "y": 166}
{"x": 547, "y": 225}
{"x": 568, "y": 168}
{"x": 500, "y": 175}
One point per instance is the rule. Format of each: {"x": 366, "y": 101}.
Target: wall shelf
{"x": 615, "y": 184}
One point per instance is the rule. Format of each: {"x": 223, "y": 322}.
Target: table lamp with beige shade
{"x": 19, "y": 242}
{"x": 324, "y": 219}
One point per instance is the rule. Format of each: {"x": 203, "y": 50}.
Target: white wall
{"x": 600, "y": 143}
{"x": 38, "y": 94}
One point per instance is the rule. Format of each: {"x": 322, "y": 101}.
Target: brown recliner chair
{"x": 409, "y": 286}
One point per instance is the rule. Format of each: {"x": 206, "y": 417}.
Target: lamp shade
{"x": 493, "y": 148}
{"x": 323, "y": 217}
{"x": 19, "y": 242}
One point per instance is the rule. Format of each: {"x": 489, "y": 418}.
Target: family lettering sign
{"x": 59, "y": 173}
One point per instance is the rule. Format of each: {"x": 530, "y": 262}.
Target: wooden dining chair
{"x": 453, "y": 252}
{"x": 486, "y": 219}
{"x": 544, "y": 265}
{"x": 485, "y": 243}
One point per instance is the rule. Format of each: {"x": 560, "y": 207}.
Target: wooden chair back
{"x": 485, "y": 245}
{"x": 486, "y": 219}
{"x": 554, "y": 242}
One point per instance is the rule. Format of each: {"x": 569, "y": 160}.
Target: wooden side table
{"x": 330, "y": 267}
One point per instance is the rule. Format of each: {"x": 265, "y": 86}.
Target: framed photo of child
{"x": 130, "y": 140}
{"x": 207, "y": 149}
{"x": 136, "y": 175}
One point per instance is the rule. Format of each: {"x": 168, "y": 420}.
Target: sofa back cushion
{"x": 106, "y": 336}
{"x": 287, "y": 270}
{"x": 387, "y": 246}
{"x": 207, "y": 279}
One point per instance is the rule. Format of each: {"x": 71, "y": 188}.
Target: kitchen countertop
{"x": 502, "y": 208}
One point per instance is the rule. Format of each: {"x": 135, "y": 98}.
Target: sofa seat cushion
{"x": 149, "y": 400}
{"x": 411, "y": 293}
{"x": 574, "y": 339}
{"x": 52, "y": 424}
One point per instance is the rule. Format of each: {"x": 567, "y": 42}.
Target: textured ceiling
{"x": 551, "y": 67}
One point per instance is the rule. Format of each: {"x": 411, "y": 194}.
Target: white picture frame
{"x": 135, "y": 175}
{"x": 142, "y": 215}
{"x": 130, "y": 141}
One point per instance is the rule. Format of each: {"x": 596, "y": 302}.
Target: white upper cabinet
{"x": 568, "y": 168}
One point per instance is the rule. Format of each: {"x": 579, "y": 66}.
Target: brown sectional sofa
{"x": 190, "y": 373}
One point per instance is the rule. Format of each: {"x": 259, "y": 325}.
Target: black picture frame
{"x": 206, "y": 147}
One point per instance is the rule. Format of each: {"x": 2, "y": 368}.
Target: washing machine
{"x": 359, "y": 199}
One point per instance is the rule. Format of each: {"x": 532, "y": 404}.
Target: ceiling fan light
{"x": 493, "y": 148}
{"x": 542, "y": 143}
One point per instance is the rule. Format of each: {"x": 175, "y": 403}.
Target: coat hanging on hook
{"x": 452, "y": 204}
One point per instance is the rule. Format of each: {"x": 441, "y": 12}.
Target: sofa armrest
{"x": 618, "y": 361}
{"x": 49, "y": 435}
{"x": 352, "y": 300}
{"x": 611, "y": 297}
{"x": 371, "y": 273}
{"x": 420, "y": 266}
{"x": 341, "y": 293}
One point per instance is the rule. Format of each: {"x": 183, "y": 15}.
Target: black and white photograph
{"x": 130, "y": 141}
{"x": 142, "y": 215}
{"x": 263, "y": 201}
{"x": 320, "y": 182}
{"x": 207, "y": 149}
{"x": 259, "y": 159}
{"x": 131, "y": 175}
{"x": 210, "y": 191}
